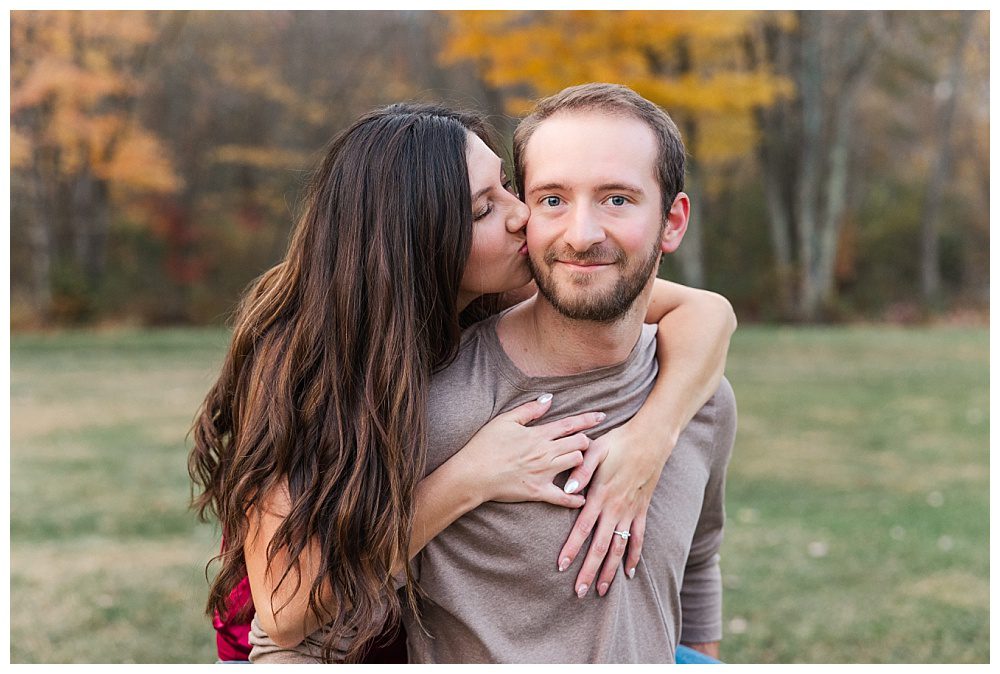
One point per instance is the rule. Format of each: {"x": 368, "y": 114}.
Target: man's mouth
{"x": 523, "y": 250}
{"x": 584, "y": 266}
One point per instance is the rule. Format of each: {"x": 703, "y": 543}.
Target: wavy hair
{"x": 324, "y": 384}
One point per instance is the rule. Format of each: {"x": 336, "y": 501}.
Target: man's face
{"x": 594, "y": 234}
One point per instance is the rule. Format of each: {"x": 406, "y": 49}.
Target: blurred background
{"x": 839, "y": 174}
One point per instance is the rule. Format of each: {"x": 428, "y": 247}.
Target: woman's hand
{"x": 618, "y": 498}
{"x": 515, "y": 462}
{"x": 505, "y": 461}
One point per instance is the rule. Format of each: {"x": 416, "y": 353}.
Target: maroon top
{"x": 232, "y": 638}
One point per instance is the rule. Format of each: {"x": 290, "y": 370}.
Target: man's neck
{"x": 541, "y": 342}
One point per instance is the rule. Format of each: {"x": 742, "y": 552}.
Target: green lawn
{"x": 858, "y": 497}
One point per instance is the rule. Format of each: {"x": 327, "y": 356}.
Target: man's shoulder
{"x": 724, "y": 398}
{"x": 713, "y": 428}
{"x": 473, "y": 347}
{"x": 722, "y": 407}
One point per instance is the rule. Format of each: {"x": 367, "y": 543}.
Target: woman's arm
{"x": 692, "y": 342}
{"x": 505, "y": 461}
{"x": 285, "y": 616}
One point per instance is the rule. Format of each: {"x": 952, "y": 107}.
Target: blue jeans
{"x": 689, "y": 656}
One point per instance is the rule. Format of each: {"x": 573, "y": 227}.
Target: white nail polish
{"x": 580, "y": 591}
{"x": 631, "y": 572}
{"x": 544, "y": 398}
{"x": 564, "y": 563}
{"x": 571, "y": 486}
{"x": 603, "y": 589}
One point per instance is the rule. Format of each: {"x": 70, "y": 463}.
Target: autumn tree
{"x": 76, "y": 146}
{"x": 158, "y": 156}
{"x": 808, "y": 144}
{"x": 948, "y": 82}
{"x": 859, "y": 120}
{"x": 693, "y": 63}
{"x": 263, "y": 93}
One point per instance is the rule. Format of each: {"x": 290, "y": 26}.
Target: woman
{"x": 310, "y": 446}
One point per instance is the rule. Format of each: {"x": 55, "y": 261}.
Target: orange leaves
{"x": 61, "y": 82}
{"x": 141, "y": 162}
{"x": 260, "y": 157}
{"x": 73, "y": 85}
{"x": 697, "y": 63}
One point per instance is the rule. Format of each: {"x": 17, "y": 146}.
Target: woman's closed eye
{"x": 483, "y": 212}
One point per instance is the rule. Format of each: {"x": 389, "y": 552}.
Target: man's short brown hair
{"x": 613, "y": 99}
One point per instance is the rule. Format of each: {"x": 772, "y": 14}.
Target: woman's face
{"x": 499, "y": 258}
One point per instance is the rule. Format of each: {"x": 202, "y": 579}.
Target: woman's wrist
{"x": 464, "y": 477}
{"x": 651, "y": 439}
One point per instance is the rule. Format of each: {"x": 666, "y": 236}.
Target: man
{"x": 602, "y": 170}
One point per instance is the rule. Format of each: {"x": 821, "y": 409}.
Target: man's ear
{"x": 677, "y": 222}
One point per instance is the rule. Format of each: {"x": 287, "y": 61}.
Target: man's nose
{"x": 583, "y": 229}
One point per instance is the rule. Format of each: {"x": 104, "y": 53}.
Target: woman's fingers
{"x": 571, "y": 425}
{"x": 570, "y": 459}
{"x": 578, "y": 534}
{"x": 556, "y": 496}
{"x": 529, "y": 411}
{"x": 635, "y": 545}
{"x": 600, "y": 545}
{"x": 580, "y": 477}
{"x": 573, "y": 443}
{"x": 614, "y": 558}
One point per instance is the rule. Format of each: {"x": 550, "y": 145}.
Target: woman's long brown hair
{"x": 325, "y": 381}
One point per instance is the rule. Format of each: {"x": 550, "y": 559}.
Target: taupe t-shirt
{"x": 493, "y": 592}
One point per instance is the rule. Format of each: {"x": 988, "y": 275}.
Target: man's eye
{"x": 552, "y": 202}
{"x": 617, "y": 200}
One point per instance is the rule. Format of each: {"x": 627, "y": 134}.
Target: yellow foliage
{"x": 693, "y": 63}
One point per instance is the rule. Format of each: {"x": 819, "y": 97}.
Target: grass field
{"x": 858, "y": 497}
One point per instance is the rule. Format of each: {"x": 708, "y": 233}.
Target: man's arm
{"x": 709, "y": 648}
{"x": 701, "y": 589}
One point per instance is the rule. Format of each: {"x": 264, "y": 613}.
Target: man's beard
{"x": 599, "y": 306}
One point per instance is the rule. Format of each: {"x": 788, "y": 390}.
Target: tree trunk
{"x": 930, "y": 272}
{"x": 778, "y": 167}
{"x": 40, "y": 235}
{"x": 836, "y": 201}
{"x": 774, "y": 162}
{"x": 811, "y": 93}
{"x": 856, "y": 52}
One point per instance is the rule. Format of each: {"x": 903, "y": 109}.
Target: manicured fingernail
{"x": 544, "y": 398}
{"x": 564, "y": 563}
{"x": 601, "y": 416}
{"x": 571, "y": 486}
{"x": 580, "y": 591}
{"x": 602, "y": 590}
{"x": 631, "y": 572}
